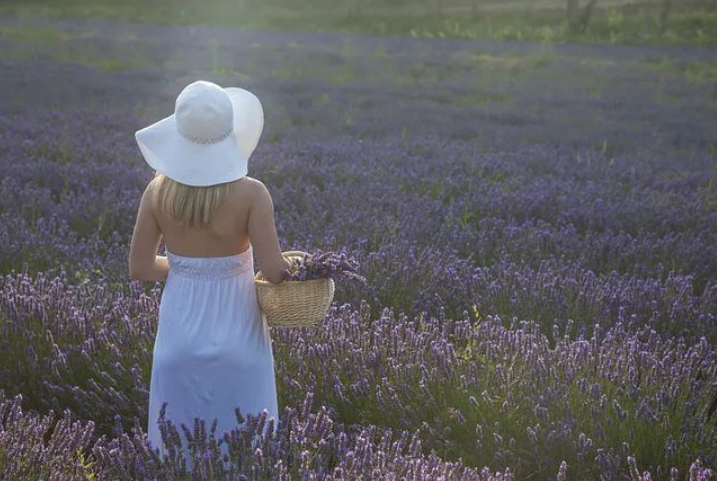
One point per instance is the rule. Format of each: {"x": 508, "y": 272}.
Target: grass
{"x": 629, "y": 24}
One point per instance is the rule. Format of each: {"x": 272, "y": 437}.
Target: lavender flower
{"x": 324, "y": 265}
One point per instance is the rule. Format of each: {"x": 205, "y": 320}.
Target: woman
{"x": 212, "y": 351}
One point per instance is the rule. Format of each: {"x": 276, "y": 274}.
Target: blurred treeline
{"x": 606, "y": 21}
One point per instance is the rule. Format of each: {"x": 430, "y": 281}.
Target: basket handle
{"x": 288, "y": 254}
{"x": 299, "y": 254}
{"x": 295, "y": 255}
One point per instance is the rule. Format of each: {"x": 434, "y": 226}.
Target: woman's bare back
{"x": 246, "y": 217}
{"x": 227, "y": 234}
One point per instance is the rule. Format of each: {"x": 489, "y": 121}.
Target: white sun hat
{"x": 209, "y": 138}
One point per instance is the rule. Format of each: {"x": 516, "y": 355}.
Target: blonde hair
{"x": 191, "y": 205}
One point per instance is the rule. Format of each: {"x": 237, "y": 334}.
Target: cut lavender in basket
{"x": 322, "y": 265}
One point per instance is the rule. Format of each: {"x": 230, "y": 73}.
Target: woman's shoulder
{"x": 250, "y": 182}
{"x": 251, "y": 187}
{"x": 150, "y": 191}
{"x": 250, "y": 191}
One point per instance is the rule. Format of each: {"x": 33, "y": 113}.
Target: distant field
{"x": 691, "y": 22}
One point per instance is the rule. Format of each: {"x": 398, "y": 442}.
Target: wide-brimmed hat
{"x": 209, "y": 138}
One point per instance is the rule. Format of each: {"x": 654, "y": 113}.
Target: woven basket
{"x": 294, "y": 303}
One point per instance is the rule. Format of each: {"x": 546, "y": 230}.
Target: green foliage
{"x": 631, "y": 24}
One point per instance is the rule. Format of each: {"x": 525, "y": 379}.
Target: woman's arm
{"x": 264, "y": 239}
{"x": 144, "y": 263}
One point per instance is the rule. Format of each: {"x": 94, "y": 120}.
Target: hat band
{"x": 200, "y": 140}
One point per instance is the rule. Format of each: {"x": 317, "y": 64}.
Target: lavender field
{"x": 537, "y": 224}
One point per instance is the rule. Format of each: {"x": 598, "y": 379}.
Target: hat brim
{"x": 191, "y": 163}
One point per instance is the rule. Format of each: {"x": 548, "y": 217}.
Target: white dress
{"x": 212, "y": 350}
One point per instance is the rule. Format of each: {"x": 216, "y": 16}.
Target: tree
{"x": 353, "y": 8}
{"x": 665, "y": 10}
{"x": 578, "y": 20}
{"x": 573, "y": 7}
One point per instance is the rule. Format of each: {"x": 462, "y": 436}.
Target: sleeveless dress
{"x": 212, "y": 350}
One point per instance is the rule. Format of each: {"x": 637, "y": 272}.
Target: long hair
{"x": 192, "y": 206}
